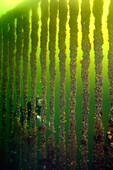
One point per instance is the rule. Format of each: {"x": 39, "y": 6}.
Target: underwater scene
{"x": 56, "y": 85}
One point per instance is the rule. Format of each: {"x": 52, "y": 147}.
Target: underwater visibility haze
{"x": 56, "y": 85}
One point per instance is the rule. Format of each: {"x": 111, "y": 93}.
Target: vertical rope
{"x": 1, "y": 47}
{"x": 1, "y": 51}
{"x": 5, "y": 79}
{"x": 110, "y": 58}
{"x": 18, "y": 126}
{"x": 109, "y": 141}
{"x": 62, "y": 67}
{"x": 98, "y": 148}
{"x": 98, "y": 41}
{"x": 72, "y": 139}
{"x": 26, "y": 30}
{"x": 11, "y": 86}
{"x": 25, "y": 65}
{"x": 33, "y": 63}
{"x": 85, "y": 20}
{"x": 52, "y": 43}
{"x": 110, "y": 76}
{"x": 4, "y": 88}
{"x": 44, "y": 33}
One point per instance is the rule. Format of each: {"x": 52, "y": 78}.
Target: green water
{"x": 44, "y": 75}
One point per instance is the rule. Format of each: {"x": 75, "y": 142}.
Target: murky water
{"x": 56, "y": 85}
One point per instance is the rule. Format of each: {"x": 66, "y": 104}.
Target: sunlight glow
{"x": 6, "y": 5}
{"x": 12, "y": 2}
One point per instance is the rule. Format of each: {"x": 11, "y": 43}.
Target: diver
{"x": 37, "y": 110}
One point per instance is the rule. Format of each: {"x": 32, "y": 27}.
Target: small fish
{"x": 101, "y": 113}
{"x": 81, "y": 61}
{"x": 70, "y": 106}
{"x": 108, "y": 132}
{"x": 54, "y": 131}
{"x": 110, "y": 137}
